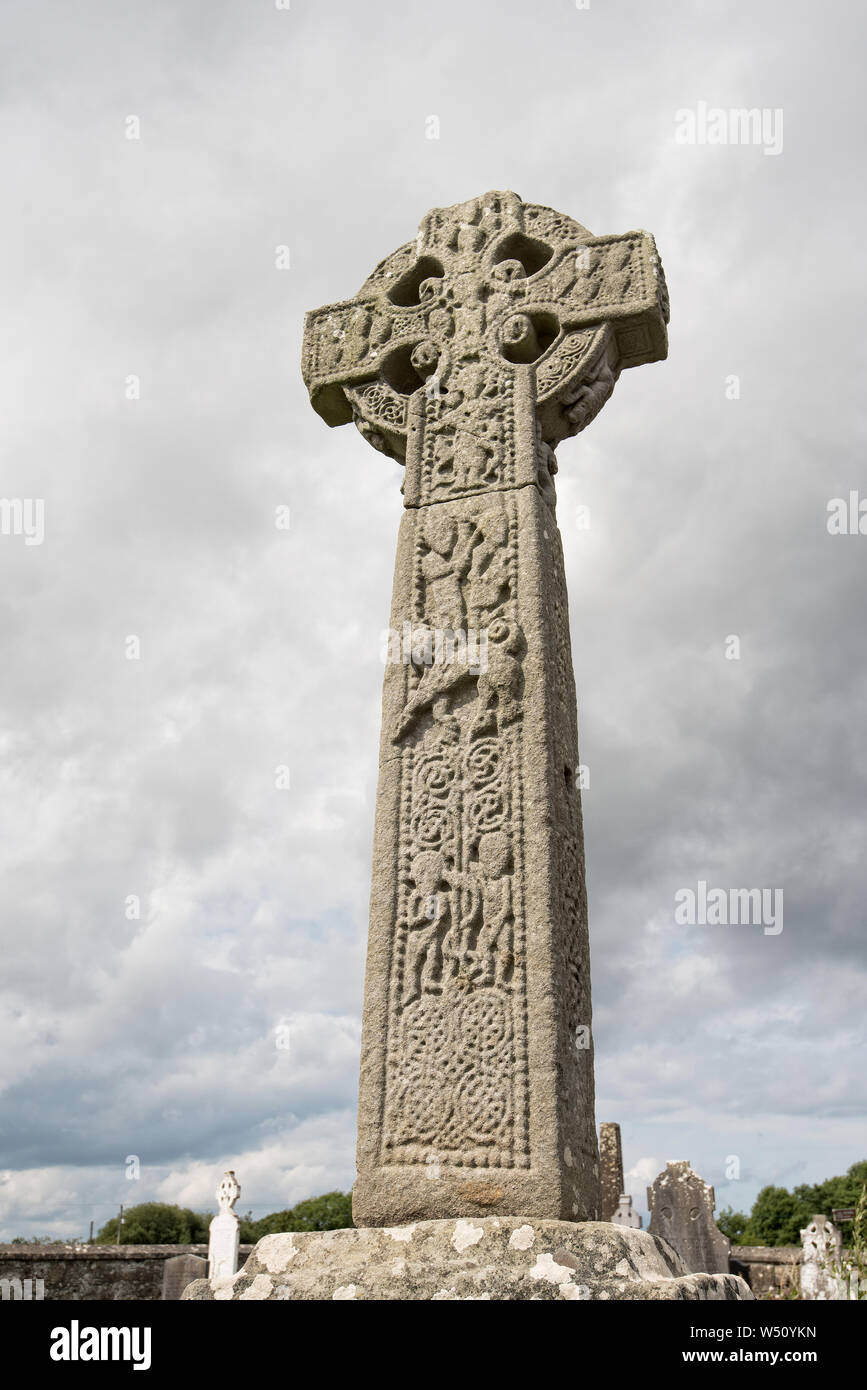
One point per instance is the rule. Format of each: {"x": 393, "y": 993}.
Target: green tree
{"x": 834, "y": 1192}
{"x": 330, "y": 1212}
{"x": 157, "y": 1223}
{"x": 778, "y": 1216}
{"x": 732, "y": 1224}
{"x": 858, "y": 1251}
{"x": 776, "y": 1219}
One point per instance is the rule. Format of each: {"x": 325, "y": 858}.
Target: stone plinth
{"x": 490, "y": 1259}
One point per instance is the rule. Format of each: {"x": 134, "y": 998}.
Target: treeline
{"x": 778, "y": 1216}
{"x": 160, "y": 1223}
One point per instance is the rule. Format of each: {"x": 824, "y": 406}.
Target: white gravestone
{"x": 626, "y": 1215}
{"x": 224, "y": 1235}
{"x": 821, "y": 1259}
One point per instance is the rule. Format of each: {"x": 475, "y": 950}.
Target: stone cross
{"x": 681, "y": 1211}
{"x": 610, "y": 1170}
{"x": 224, "y": 1233}
{"x": 625, "y": 1214}
{"x": 468, "y": 355}
{"x": 821, "y": 1260}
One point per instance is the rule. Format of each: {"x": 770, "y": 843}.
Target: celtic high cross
{"x": 469, "y": 354}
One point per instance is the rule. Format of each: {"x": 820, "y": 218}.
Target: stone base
{"x": 488, "y": 1257}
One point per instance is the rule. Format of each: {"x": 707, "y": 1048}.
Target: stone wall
{"x": 119, "y": 1272}
{"x": 94, "y": 1272}
{"x": 771, "y": 1269}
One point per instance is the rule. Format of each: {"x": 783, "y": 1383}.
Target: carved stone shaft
{"x": 610, "y": 1170}
{"x": 468, "y": 355}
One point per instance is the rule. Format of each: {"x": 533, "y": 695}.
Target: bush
{"x": 778, "y": 1216}
{"x": 330, "y": 1212}
{"x": 157, "y": 1223}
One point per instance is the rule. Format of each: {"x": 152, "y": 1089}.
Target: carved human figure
{"x": 475, "y": 459}
{"x": 584, "y": 402}
{"x": 488, "y": 576}
{"x": 430, "y": 922}
{"x": 443, "y": 471}
{"x": 444, "y": 567}
{"x": 493, "y": 955}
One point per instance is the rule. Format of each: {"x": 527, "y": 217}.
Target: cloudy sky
{"x": 707, "y": 479}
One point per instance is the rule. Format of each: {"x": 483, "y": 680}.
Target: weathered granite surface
{"x": 180, "y": 1270}
{"x": 97, "y": 1272}
{"x": 468, "y": 354}
{"x": 610, "y": 1170}
{"x": 681, "y": 1212}
{"x": 821, "y": 1260}
{"x": 771, "y": 1270}
{"x": 492, "y": 1258}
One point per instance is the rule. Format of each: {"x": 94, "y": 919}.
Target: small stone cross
{"x": 224, "y": 1233}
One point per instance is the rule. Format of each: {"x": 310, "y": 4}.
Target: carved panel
{"x": 488, "y": 285}
{"x": 469, "y": 443}
{"x": 566, "y": 817}
{"x": 456, "y": 1058}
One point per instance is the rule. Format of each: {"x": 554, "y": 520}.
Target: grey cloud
{"x": 261, "y": 648}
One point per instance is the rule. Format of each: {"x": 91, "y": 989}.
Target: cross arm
{"x": 357, "y": 343}
{"x": 610, "y": 279}
{"x": 340, "y": 350}
{"x": 606, "y": 302}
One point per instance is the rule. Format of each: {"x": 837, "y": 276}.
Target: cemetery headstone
{"x": 821, "y": 1259}
{"x": 626, "y": 1215}
{"x": 681, "y": 1211}
{"x": 224, "y": 1234}
{"x": 180, "y": 1270}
